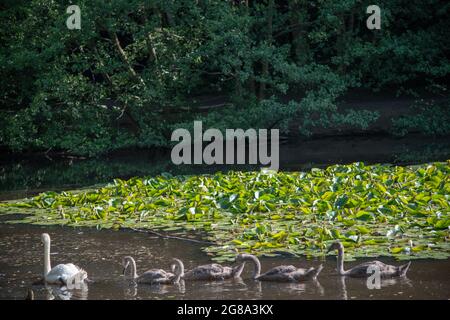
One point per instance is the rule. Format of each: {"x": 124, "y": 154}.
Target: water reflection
{"x": 344, "y": 295}
{"x": 395, "y": 281}
{"x": 54, "y": 292}
{"x": 130, "y": 291}
{"x": 237, "y": 288}
{"x": 133, "y": 290}
{"x": 385, "y": 283}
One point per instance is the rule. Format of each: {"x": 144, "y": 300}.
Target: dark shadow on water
{"x": 24, "y": 177}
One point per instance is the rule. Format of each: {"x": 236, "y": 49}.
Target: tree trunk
{"x": 298, "y": 21}
{"x": 124, "y": 58}
{"x": 341, "y": 42}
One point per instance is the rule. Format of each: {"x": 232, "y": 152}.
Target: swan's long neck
{"x": 340, "y": 261}
{"x": 179, "y": 270}
{"x": 47, "y": 265}
{"x": 238, "y": 270}
{"x": 256, "y": 264}
{"x": 133, "y": 268}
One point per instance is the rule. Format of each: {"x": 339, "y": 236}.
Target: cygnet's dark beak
{"x": 124, "y": 269}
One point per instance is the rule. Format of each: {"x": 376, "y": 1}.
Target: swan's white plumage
{"x": 64, "y": 272}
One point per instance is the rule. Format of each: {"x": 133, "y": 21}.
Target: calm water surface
{"x": 100, "y": 252}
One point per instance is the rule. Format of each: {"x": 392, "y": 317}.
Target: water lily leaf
{"x": 364, "y": 215}
{"x": 442, "y": 224}
{"x": 341, "y": 201}
{"x": 363, "y": 230}
{"x": 396, "y": 250}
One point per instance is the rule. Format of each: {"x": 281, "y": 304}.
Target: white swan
{"x": 62, "y": 273}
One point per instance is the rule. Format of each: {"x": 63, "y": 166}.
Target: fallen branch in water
{"x": 171, "y": 237}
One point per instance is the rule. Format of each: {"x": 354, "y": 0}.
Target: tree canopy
{"x": 136, "y": 70}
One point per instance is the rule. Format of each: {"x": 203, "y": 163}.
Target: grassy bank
{"x": 374, "y": 210}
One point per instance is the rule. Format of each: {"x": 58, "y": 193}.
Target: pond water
{"x": 100, "y": 252}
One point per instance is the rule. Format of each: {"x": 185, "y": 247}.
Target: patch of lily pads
{"x": 378, "y": 210}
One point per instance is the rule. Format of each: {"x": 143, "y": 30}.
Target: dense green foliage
{"x": 134, "y": 70}
{"x": 373, "y": 210}
{"x": 428, "y": 117}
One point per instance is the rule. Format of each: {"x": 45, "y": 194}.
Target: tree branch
{"x": 124, "y": 58}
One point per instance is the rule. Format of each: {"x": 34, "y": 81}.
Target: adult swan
{"x": 63, "y": 273}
